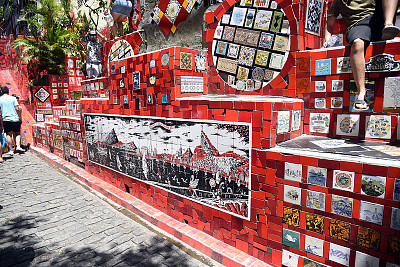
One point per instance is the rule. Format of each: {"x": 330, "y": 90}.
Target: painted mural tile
{"x": 396, "y": 191}
{"x": 276, "y": 21}
{"x": 266, "y": 40}
{"x": 172, "y": 10}
{"x": 314, "y": 17}
{"x": 310, "y": 263}
{"x": 283, "y": 122}
{"x": 339, "y": 254}
{"x": 343, "y": 180}
{"x": 121, "y": 83}
{"x": 315, "y": 200}
{"x": 320, "y": 103}
{"x": 319, "y": 122}
{"x": 343, "y": 65}
{"x": 289, "y": 259}
{"x": 363, "y": 260}
{"x": 152, "y": 80}
{"x": 269, "y": 75}
{"x": 348, "y": 124}
{"x": 229, "y": 33}
{"x": 315, "y": 223}
{"x": 200, "y": 61}
{"x": 314, "y": 246}
{"x": 233, "y": 50}
{"x": 281, "y": 43}
{"x": 242, "y": 73}
{"x": 323, "y": 67}
{"x": 371, "y": 212}
{"x": 293, "y": 171}
{"x": 258, "y": 74}
{"x": 262, "y": 20}
{"x": 317, "y": 176}
{"x": 296, "y": 120}
{"x": 368, "y": 238}
{"x": 291, "y": 238}
{"x": 246, "y": 56}
{"x": 320, "y": 86}
{"x": 291, "y": 216}
{"x": 164, "y": 99}
{"x": 136, "y": 80}
{"x": 227, "y": 65}
{"x": 391, "y": 95}
{"x": 370, "y": 97}
{"x": 337, "y": 85}
{"x": 238, "y": 16}
{"x": 218, "y": 32}
{"x": 186, "y": 61}
{"x": 231, "y": 80}
{"x": 339, "y": 230}
{"x": 378, "y": 126}
{"x": 251, "y": 13}
{"x": 249, "y": 85}
{"x": 277, "y": 61}
{"x": 395, "y": 220}
{"x": 261, "y": 58}
{"x": 292, "y": 194}
{"x": 125, "y": 99}
{"x": 342, "y": 206}
{"x": 373, "y": 186}
{"x": 394, "y": 246}
{"x": 246, "y": 37}
{"x": 241, "y": 85}
{"x": 221, "y": 48}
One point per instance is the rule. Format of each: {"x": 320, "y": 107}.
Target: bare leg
{"x": 389, "y": 9}
{"x": 357, "y": 63}
{"x": 18, "y": 140}
{"x": 121, "y": 28}
{"x": 114, "y": 27}
{"x": 10, "y": 141}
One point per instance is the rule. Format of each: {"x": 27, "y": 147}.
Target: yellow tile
{"x": 173, "y": 29}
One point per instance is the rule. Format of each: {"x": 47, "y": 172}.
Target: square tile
{"x": 373, "y": 186}
{"x": 293, "y": 171}
{"x": 314, "y": 246}
{"x": 339, "y": 230}
{"x": 186, "y": 61}
{"x": 337, "y": 102}
{"x": 348, "y": 124}
{"x": 238, "y": 16}
{"x": 233, "y": 50}
{"x": 378, "y": 126}
{"x": 337, "y": 85}
{"x": 343, "y": 180}
{"x": 292, "y": 194}
{"x": 229, "y": 33}
{"x": 363, "y": 260}
{"x": 371, "y": 212}
{"x": 262, "y": 20}
{"x": 164, "y": 59}
{"x": 314, "y": 17}
{"x": 258, "y": 74}
{"x": 368, "y": 238}
{"x": 395, "y": 219}
{"x": 343, "y": 65}
{"x": 339, "y": 254}
{"x": 296, "y": 120}
{"x": 276, "y": 21}
{"x": 243, "y": 73}
{"x": 342, "y": 206}
{"x": 246, "y": 56}
{"x": 315, "y": 223}
{"x": 221, "y": 48}
{"x": 289, "y": 259}
{"x": 316, "y": 176}
{"x": 320, "y": 103}
{"x": 283, "y": 122}
{"x": 291, "y": 216}
{"x": 276, "y": 61}
{"x": 266, "y": 40}
{"x": 323, "y": 67}
{"x": 291, "y": 238}
{"x": 394, "y": 246}
{"x": 315, "y": 200}
{"x": 319, "y": 122}
{"x": 320, "y": 86}
{"x": 391, "y": 95}
{"x": 281, "y": 43}
{"x": 261, "y": 58}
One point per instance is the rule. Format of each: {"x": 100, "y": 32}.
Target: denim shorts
{"x": 122, "y": 7}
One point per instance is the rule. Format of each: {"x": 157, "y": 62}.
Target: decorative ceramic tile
{"x": 261, "y": 3}
{"x": 246, "y": 56}
{"x": 348, "y": 124}
{"x": 285, "y": 27}
{"x": 371, "y": 212}
{"x": 363, "y": 260}
{"x": 42, "y": 94}
{"x": 246, "y": 37}
{"x": 172, "y": 10}
{"x": 281, "y": 43}
{"x": 249, "y": 85}
{"x": 337, "y": 85}
{"x": 382, "y": 63}
{"x": 192, "y": 84}
{"x": 317, "y": 176}
{"x": 136, "y": 80}
{"x": 368, "y": 238}
{"x": 395, "y": 221}
{"x": 229, "y": 33}
{"x": 241, "y": 85}
{"x": 314, "y": 16}
{"x": 342, "y": 206}
{"x": 233, "y": 50}
{"x": 261, "y": 58}
{"x": 262, "y": 20}
{"x": 226, "y": 18}
{"x": 120, "y": 50}
{"x": 396, "y": 190}
{"x": 296, "y": 120}
{"x": 337, "y": 102}
{"x": 291, "y": 216}
{"x": 258, "y": 74}
{"x": 343, "y": 180}
{"x": 231, "y": 80}
{"x": 186, "y": 61}
{"x": 314, "y": 246}
{"x": 292, "y": 194}
{"x": 122, "y": 68}
{"x": 391, "y": 96}
{"x": 164, "y": 99}
{"x": 269, "y": 75}
{"x": 221, "y": 48}
{"x": 200, "y": 62}
{"x": 378, "y": 126}
{"x": 152, "y": 64}
{"x": 150, "y": 99}
{"x": 266, "y": 40}
{"x": 315, "y": 200}
{"x": 289, "y": 259}
{"x": 323, "y": 67}
{"x": 315, "y": 223}
{"x": 276, "y": 21}
{"x": 319, "y": 122}
{"x": 373, "y": 186}
{"x": 277, "y": 61}
{"x": 320, "y": 86}
{"x": 310, "y": 263}
{"x": 291, "y": 238}
{"x": 343, "y": 65}
{"x": 293, "y": 171}
{"x": 370, "y": 99}
{"x": 394, "y": 246}
{"x": 238, "y": 16}
{"x": 339, "y": 230}
{"x": 283, "y": 122}
{"x": 227, "y": 65}
{"x": 257, "y": 85}
{"x": 339, "y": 254}
{"x": 218, "y": 32}
{"x": 320, "y": 103}
{"x": 242, "y": 73}
{"x": 121, "y": 83}
{"x": 251, "y": 13}
{"x": 152, "y": 80}
{"x": 164, "y": 59}
{"x": 125, "y": 100}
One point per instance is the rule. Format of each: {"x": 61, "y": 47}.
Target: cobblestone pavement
{"x": 46, "y": 219}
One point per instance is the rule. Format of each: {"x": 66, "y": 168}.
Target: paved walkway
{"x": 46, "y": 219}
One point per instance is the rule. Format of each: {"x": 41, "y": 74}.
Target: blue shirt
{"x": 7, "y": 106}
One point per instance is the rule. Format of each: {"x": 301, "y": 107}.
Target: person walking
{"x": 11, "y": 120}
{"x": 121, "y": 10}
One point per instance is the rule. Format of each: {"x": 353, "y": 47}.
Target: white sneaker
{"x": 9, "y": 154}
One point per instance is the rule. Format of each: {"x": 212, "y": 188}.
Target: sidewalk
{"x": 47, "y": 219}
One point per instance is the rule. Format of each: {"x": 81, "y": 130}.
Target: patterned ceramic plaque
{"x": 314, "y": 16}
{"x": 315, "y": 223}
{"x": 395, "y": 220}
{"x": 261, "y": 58}
{"x": 172, "y": 10}
{"x": 233, "y": 50}
{"x": 320, "y": 103}
{"x": 337, "y": 102}
{"x": 246, "y": 56}
{"x": 281, "y": 43}
{"x": 266, "y": 40}
{"x": 238, "y": 16}
{"x": 289, "y": 259}
{"x": 291, "y": 216}
{"x": 221, "y": 48}
{"x": 283, "y": 122}
{"x": 342, "y": 206}
{"x": 378, "y": 126}
{"x": 317, "y": 176}
{"x": 262, "y": 20}
{"x": 339, "y": 254}
{"x": 229, "y": 33}
{"x": 314, "y": 246}
{"x": 246, "y": 37}
{"x": 339, "y": 230}
{"x": 343, "y": 180}
{"x": 363, "y": 260}
{"x": 316, "y": 200}
{"x": 227, "y": 65}
{"x": 42, "y": 94}
{"x": 368, "y": 238}
{"x": 277, "y": 61}
{"x": 391, "y": 96}
{"x": 258, "y": 74}
{"x": 323, "y": 67}
{"x": 396, "y": 190}
{"x": 320, "y": 86}
{"x": 242, "y": 73}
{"x": 343, "y": 65}
{"x": 192, "y": 84}
{"x": 337, "y": 85}
{"x": 296, "y": 120}
{"x": 319, "y": 122}
{"x": 186, "y": 61}
{"x": 371, "y": 212}
{"x": 291, "y": 238}
{"x": 348, "y": 124}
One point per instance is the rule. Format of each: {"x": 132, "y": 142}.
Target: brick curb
{"x": 196, "y": 239}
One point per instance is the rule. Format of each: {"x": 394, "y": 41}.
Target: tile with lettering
{"x": 339, "y": 230}
{"x": 283, "y": 122}
{"x": 319, "y": 122}
{"x": 368, "y": 238}
{"x": 363, "y": 260}
{"x": 343, "y": 65}
{"x": 373, "y": 186}
{"x": 391, "y": 95}
{"x": 227, "y": 65}
{"x": 296, "y": 120}
{"x": 291, "y": 216}
{"x": 343, "y": 180}
{"x": 320, "y": 86}
{"x": 292, "y": 194}
{"x": 291, "y": 238}
{"x": 192, "y": 84}
{"x": 339, "y": 254}
{"x": 348, "y": 124}
{"x": 315, "y": 200}
{"x": 342, "y": 206}
{"x": 289, "y": 259}
{"x": 378, "y": 126}
{"x": 395, "y": 220}
{"x": 396, "y": 190}
{"x": 371, "y": 212}
{"x": 262, "y": 20}
{"x": 248, "y": 37}
{"x": 293, "y": 171}
{"x": 317, "y": 176}
{"x": 314, "y": 246}
{"x": 315, "y": 223}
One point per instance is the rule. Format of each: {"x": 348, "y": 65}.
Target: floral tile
{"x": 186, "y": 61}
{"x": 246, "y": 56}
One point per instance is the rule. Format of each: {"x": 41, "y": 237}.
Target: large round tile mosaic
{"x": 251, "y": 44}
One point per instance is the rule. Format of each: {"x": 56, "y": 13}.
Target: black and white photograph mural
{"x": 205, "y": 161}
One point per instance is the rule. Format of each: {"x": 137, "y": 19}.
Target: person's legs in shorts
{"x": 388, "y": 8}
